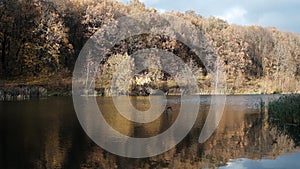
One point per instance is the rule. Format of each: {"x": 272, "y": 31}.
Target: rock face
{"x": 22, "y": 93}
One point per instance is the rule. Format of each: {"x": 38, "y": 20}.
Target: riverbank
{"x": 58, "y": 86}
{"x": 61, "y": 85}
{"x": 35, "y": 87}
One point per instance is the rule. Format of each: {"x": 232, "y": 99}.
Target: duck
{"x": 168, "y": 112}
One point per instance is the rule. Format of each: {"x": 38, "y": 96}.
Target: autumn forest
{"x": 40, "y": 41}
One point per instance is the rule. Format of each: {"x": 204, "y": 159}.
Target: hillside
{"x": 41, "y": 40}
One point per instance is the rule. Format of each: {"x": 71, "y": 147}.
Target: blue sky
{"x": 290, "y": 161}
{"x": 283, "y": 14}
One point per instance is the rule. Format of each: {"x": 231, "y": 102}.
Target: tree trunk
{"x": 3, "y": 55}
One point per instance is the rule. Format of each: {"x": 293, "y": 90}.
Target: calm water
{"x": 45, "y": 133}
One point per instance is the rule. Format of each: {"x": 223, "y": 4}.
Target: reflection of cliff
{"x": 241, "y": 134}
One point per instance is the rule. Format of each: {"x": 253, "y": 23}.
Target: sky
{"x": 282, "y": 14}
{"x": 290, "y": 161}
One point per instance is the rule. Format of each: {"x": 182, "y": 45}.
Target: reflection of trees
{"x": 56, "y": 140}
{"x": 54, "y": 148}
{"x": 241, "y": 134}
{"x": 52, "y": 137}
{"x": 53, "y": 155}
{"x": 284, "y": 114}
{"x": 32, "y": 134}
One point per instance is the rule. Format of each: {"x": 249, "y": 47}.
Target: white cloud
{"x": 147, "y": 2}
{"x": 238, "y": 164}
{"x": 160, "y": 10}
{"x": 235, "y": 15}
{"x": 150, "y": 2}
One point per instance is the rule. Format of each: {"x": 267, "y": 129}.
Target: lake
{"x": 45, "y": 133}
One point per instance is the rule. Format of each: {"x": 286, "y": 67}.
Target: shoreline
{"x": 25, "y": 92}
{"x": 56, "y": 85}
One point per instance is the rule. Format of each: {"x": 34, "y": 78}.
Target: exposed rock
{"x": 1, "y": 95}
{"x": 22, "y": 92}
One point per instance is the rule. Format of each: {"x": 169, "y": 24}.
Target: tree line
{"x": 42, "y": 37}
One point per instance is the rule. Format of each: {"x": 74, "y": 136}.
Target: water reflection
{"x": 46, "y": 134}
